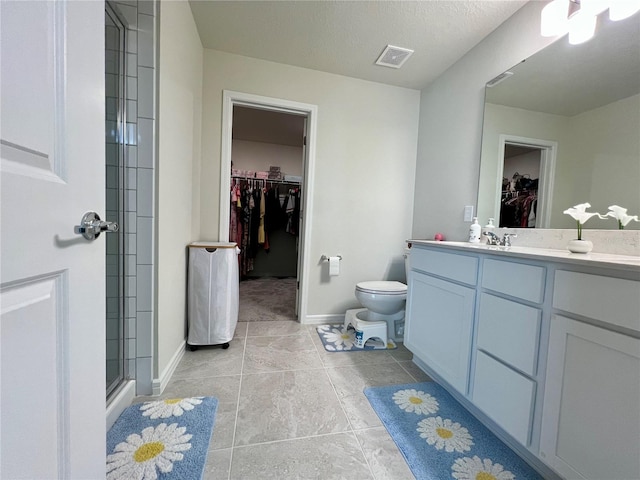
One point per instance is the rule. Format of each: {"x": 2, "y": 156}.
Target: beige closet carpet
{"x": 267, "y": 299}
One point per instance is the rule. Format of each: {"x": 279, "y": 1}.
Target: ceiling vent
{"x": 393, "y": 57}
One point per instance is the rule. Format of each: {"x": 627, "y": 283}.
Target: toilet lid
{"x": 388, "y": 288}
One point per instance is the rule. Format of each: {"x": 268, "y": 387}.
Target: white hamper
{"x": 213, "y": 293}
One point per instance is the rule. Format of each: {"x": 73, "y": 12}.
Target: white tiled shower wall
{"x": 140, "y": 91}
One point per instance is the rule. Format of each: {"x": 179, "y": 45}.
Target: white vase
{"x": 580, "y": 246}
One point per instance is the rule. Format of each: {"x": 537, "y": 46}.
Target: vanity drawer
{"x": 608, "y": 299}
{"x": 516, "y": 279}
{"x": 505, "y": 396}
{"x": 461, "y": 268}
{"x": 509, "y": 331}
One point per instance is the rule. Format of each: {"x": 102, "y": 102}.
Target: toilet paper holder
{"x": 326, "y": 258}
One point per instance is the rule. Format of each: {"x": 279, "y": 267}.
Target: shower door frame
{"x": 121, "y": 121}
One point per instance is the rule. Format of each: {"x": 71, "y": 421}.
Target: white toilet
{"x": 383, "y": 301}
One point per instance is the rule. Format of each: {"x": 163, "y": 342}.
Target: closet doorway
{"x": 266, "y": 167}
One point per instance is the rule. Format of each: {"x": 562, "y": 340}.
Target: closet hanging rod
{"x": 269, "y": 180}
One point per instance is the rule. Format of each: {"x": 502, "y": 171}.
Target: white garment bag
{"x": 213, "y": 286}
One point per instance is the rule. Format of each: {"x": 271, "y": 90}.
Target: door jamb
{"x": 230, "y": 99}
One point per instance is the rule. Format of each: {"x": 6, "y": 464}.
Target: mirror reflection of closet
{"x": 521, "y": 176}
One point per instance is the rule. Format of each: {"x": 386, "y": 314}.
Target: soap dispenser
{"x": 474, "y": 231}
{"x": 489, "y": 227}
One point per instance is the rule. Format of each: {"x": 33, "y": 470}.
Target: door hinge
{"x": 304, "y": 140}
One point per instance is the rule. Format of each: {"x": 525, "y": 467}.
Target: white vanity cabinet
{"x": 440, "y": 307}
{"x": 544, "y": 348}
{"x": 508, "y": 330}
{"x": 591, "y": 417}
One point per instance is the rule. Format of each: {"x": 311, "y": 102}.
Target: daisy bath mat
{"x": 336, "y": 339}
{"x": 440, "y": 439}
{"x": 166, "y": 440}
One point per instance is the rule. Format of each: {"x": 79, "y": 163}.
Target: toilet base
{"x": 351, "y": 316}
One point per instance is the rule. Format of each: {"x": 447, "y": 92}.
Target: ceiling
{"x": 256, "y": 125}
{"x": 565, "y": 79}
{"x": 346, "y": 37}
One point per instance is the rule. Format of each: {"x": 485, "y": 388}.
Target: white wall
{"x": 605, "y": 168}
{"x": 451, "y": 111}
{"x": 526, "y": 164}
{"x": 259, "y": 156}
{"x": 365, "y": 164}
{"x": 179, "y": 133}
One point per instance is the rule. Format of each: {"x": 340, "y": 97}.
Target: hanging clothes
{"x": 256, "y": 212}
{"x": 517, "y": 209}
{"x": 261, "y": 234}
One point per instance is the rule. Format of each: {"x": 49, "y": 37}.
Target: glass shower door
{"x": 114, "y": 188}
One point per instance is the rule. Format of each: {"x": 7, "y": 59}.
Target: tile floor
{"x": 290, "y": 410}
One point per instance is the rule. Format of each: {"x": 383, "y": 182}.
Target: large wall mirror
{"x": 563, "y": 128}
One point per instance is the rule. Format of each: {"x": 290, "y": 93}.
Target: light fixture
{"x": 582, "y": 26}
{"x": 579, "y": 17}
{"x": 621, "y": 9}
{"x": 554, "y": 18}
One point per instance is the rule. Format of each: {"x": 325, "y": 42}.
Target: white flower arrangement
{"x": 620, "y": 214}
{"x": 580, "y": 215}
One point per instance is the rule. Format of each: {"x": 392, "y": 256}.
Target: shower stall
{"x": 130, "y": 166}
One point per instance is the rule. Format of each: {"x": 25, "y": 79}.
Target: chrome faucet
{"x": 493, "y": 239}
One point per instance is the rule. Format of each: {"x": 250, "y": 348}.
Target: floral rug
{"x": 335, "y": 339}
{"x": 440, "y": 439}
{"x": 166, "y": 439}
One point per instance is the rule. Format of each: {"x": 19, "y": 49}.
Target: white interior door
{"x": 52, "y": 281}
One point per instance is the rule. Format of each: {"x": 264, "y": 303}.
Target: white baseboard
{"x": 323, "y": 319}
{"x": 159, "y": 384}
{"x": 121, "y": 401}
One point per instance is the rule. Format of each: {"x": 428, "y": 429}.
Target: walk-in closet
{"x": 266, "y": 181}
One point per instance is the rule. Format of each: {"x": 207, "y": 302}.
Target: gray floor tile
{"x": 288, "y": 409}
{"x": 225, "y": 389}
{"x": 415, "y": 371}
{"x": 211, "y": 362}
{"x": 293, "y": 404}
{"x": 223, "y": 430}
{"x": 327, "y": 457}
{"x": 401, "y": 353}
{"x": 382, "y": 454}
{"x": 350, "y": 382}
{"x": 241, "y": 330}
{"x": 218, "y": 465}
{"x": 347, "y": 359}
{"x": 270, "y": 354}
{"x": 282, "y": 327}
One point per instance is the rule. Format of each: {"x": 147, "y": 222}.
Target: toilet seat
{"x": 382, "y": 287}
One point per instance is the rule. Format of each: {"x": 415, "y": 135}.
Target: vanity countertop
{"x": 618, "y": 262}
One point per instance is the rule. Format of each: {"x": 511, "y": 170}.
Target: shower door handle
{"x": 92, "y": 226}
